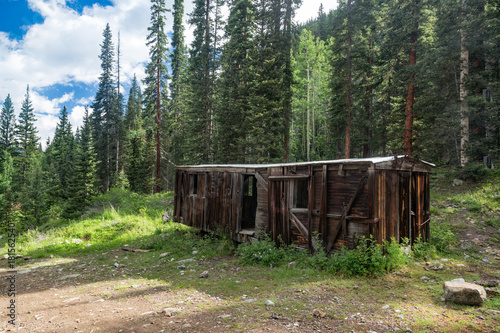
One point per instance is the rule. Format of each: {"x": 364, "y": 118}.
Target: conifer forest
{"x": 370, "y": 78}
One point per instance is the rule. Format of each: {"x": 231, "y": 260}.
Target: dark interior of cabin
{"x": 249, "y": 202}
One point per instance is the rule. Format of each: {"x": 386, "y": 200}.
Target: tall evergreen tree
{"x": 155, "y": 93}
{"x": 26, "y": 137}
{"x": 7, "y": 125}
{"x": 62, "y": 156}
{"x": 237, "y": 77}
{"x": 106, "y": 114}
{"x": 83, "y": 183}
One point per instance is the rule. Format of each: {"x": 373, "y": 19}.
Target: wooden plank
{"x": 261, "y": 180}
{"x": 344, "y": 215}
{"x": 310, "y": 202}
{"x": 303, "y": 230}
{"x": 287, "y": 177}
{"x": 323, "y": 228}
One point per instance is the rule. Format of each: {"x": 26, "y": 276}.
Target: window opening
{"x": 301, "y": 194}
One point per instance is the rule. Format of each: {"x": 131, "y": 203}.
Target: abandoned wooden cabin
{"x": 384, "y": 197}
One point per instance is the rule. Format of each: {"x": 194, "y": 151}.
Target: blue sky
{"x": 53, "y": 46}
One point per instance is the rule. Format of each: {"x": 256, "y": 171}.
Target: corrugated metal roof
{"x": 374, "y": 160}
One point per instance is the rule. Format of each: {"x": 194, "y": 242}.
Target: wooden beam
{"x": 303, "y": 230}
{"x": 261, "y": 180}
{"x": 323, "y": 207}
{"x": 288, "y": 177}
{"x": 310, "y": 203}
{"x": 344, "y": 215}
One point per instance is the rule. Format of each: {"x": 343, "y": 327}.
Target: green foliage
{"x": 423, "y": 250}
{"x": 368, "y": 258}
{"x": 261, "y": 251}
{"x": 442, "y": 236}
{"x": 473, "y": 172}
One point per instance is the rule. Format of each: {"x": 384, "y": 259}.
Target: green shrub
{"x": 261, "y": 251}
{"x": 473, "y": 172}
{"x": 423, "y": 250}
{"x": 368, "y": 257}
{"x": 442, "y": 237}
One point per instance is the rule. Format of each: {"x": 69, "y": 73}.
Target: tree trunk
{"x": 347, "y": 149}
{"x": 464, "y": 108}
{"x": 308, "y": 114}
{"x": 158, "y": 118}
{"x": 410, "y": 97}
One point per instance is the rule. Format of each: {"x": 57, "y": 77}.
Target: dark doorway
{"x": 249, "y": 202}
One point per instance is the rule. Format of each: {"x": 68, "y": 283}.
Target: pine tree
{"x": 33, "y": 198}
{"x": 233, "y": 109}
{"x": 61, "y": 157}
{"x": 155, "y": 94}
{"x": 26, "y": 138}
{"x": 106, "y": 114}
{"x": 83, "y": 183}
{"x": 7, "y": 126}
{"x": 6, "y": 194}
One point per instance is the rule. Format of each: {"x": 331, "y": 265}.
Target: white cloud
{"x": 76, "y": 117}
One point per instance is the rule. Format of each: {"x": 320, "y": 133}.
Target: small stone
{"x": 181, "y": 267}
{"x": 164, "y": 254}
{"x": 465, "y": 246}
{"x": 486, "y": 260}
{"x": 458, "y": 280}
{"x": 457, "y": 182}
{"x": 319, "y": 314}
{"x": 186, "y": 260}
{"x": 194, "y": 253}
{"x": 203, "y": 275}
{"x": 6, "y": 256}
{"x": 116, "y": 265}
{"x": 250, "y": 300}
{"x": 292, "y": 264}
{"x": 269, "y": 303}
{"x": 186, "y": 326}
{"x": 408, "y": 330}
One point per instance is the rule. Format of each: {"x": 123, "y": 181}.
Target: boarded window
{"x": 301, "y": 194}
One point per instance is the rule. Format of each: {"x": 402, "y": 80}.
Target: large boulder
{"x": 464, "y": 293}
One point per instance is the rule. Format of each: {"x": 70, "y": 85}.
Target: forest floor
{"x": 110, "y": 289}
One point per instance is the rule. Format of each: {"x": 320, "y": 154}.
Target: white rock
{"x": 464, "y": 293}
{"x": 269, "y": 303}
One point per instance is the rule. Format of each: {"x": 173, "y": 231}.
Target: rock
{"x": 164, "y": 254}
{"x": 464, "y": 293}
{"x": 116, "y": 264}
{"x": 194, "y": 253}
{"x": 292, "y": 264}
{"x": 269, "y": 303}
{"x": 486, "y": 260}
{"x": 203, "y": 275}
{"x": 76, "y": 241}
{"x": 250, "y": 300}
{"x": 489, "y": 283}
{"x": 186, "y": 260}
{"x": 457, "y": 182}
{"x": 458, "y": 280}
{"x": 5, "y": 257}
{"x": 181, "y": 267}
{"x": 385, "y": 307}
{"x": 166, "y": 216}
{"x": 186, "y": 326}
{"x": 69, "y": 276}
{"x": 319, "y": 314}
